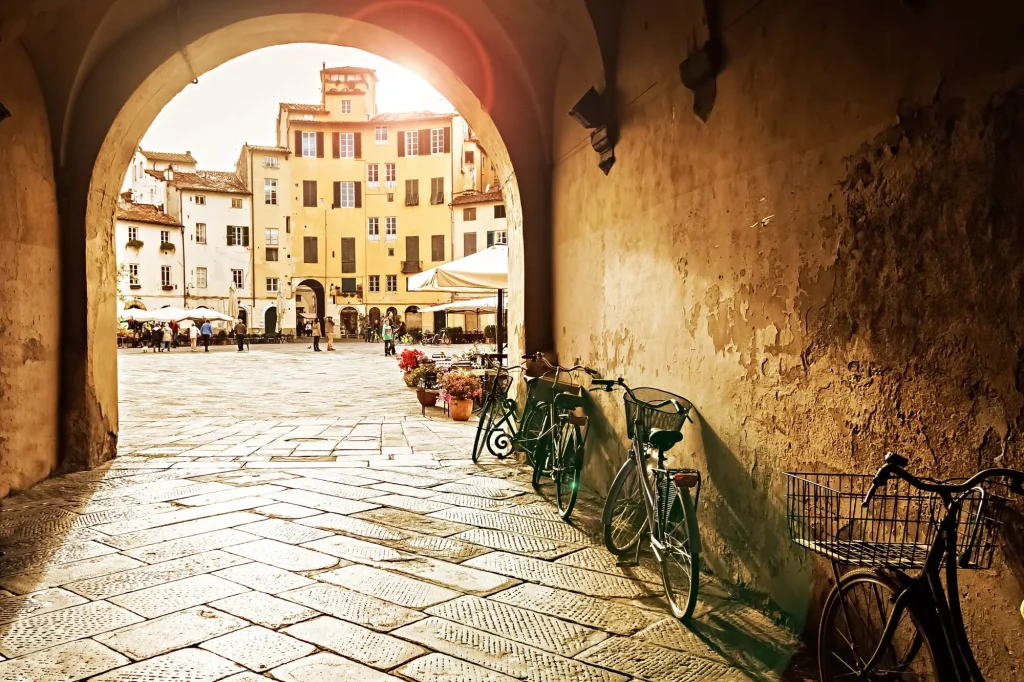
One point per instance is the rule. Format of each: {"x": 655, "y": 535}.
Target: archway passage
{"x": 320, "y": 308}
{"x": 270, "y": 321}
{"x": 349, "y": 320}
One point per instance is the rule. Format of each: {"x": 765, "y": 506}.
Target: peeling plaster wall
{"x": 829, "y": 268}
{"x": 29, "y": 287}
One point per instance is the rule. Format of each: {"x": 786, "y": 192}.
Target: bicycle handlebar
{"x": 894, "y": 466}
{"x": 608, "y": 385}
{"x": 539, "y": 357}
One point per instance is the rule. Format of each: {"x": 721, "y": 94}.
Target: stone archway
{"x": 270, "y": 320}
{"x": 321, "y": 299}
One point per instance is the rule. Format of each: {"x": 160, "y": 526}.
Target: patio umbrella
{"x": 135, "y": 315}
{"x": 232, "y": 302}
{"x": 280, "y": 309}
{"x": 477, "y": 305}
{"x": 169, "y": 314}
{"x": 200, "y": 314}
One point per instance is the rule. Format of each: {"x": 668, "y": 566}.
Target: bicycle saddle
{"x": 664, "y": 440}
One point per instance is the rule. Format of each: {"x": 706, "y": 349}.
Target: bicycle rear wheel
{"x": 541, "y": 449}
{"x": 488, "y": 415}
{"x": 565, "y": 468}
{"x": 625, "y": 515}
{"x": 680, "y": 556}
{"x": 530, "y": 429}
{"x": 851, "y": 628}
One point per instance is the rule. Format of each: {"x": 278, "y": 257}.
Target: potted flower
{"x": 408, "y": 360}
{"x": 424, "y": 379}
{"x": 489, "y": 333}
{"x": 458, "y": 388}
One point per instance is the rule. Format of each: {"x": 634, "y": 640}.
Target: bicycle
{"x": 664, "y": 506}
{"x": 499, "y": 421}
{"x": 879, "y": 623}
{"x": 438, "y": 339}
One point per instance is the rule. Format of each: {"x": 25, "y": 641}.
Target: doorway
{"x": 270, "y": 321}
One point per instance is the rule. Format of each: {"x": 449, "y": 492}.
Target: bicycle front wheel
{"x": 852, "y": 623}
{"x": 625, "y": 515}
{"x": 680, "y": 555}
{"x": 566, "y": 468}
{"x": 483, "y": 427}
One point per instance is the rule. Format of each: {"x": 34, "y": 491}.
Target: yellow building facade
{"x": 357, "y": 201}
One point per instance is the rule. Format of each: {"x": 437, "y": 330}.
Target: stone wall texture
{"x": 29, "y": 280}
{"x": 829, "y": 267}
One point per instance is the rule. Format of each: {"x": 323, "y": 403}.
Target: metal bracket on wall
{"x": 700, "y": 70}
{"x": 4, "y": 113}
{"x": 592, "y": 112}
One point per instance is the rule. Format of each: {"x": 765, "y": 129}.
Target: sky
{"x": 237, "y": 102}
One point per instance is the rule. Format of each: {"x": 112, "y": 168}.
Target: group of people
{"x": 316, "y": 330}
{"x": 162, "y": 337}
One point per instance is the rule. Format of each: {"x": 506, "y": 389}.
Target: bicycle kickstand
{"x": 626, "y": 562}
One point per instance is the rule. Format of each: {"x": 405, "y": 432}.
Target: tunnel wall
{"x": 29, "y": 279}
{"x": 830, "y": 267}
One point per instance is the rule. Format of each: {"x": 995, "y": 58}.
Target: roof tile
{"x": 172, "y": 157}
{"x": 477, "y": 197}
{"x": 144, "y": 213}
{"x": 205, "y": 181}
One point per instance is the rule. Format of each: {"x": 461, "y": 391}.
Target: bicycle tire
{"x": 916, "y": 634}
{"x": 624, "y": 519}
{"x": 486, "y": 415}
{"x": 566, "y": 468}
{"x": 542, "y": 448}
{"x": 530, "y": 428}
{"x": 680, "y": 556}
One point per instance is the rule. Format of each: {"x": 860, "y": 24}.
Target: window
{"x": 372, "y": 175}
{"x": 391, "y": 229}
{"x": 165, "y": 236}
{"x": 380, "y": 135}
{"x": 469, "y": 243}
{"x": 499, "y": 211}
{"x": 348, "y": 254}
{"x": 238, "y": 278}
{"x": 271, "y": 254}
{"x": 133, "y": 274}
{"x": 271, "y": 162}
{"x": 412, "y": 143}
{"x": 165, "y": 275}
{"x": 391, "y": 196}
{"x": 273, "y": 285}
{"x": 346, "y": 106}
{"x": 272, "y": 236}
{"x": 133, "y": 234}
{"x": 200, "y": 200}
{"x": 309, "y": 193}
{"x": 469, "y": 156}
{"x": 496, "y": 237}
{"x": 348, "y": 285}
{"x": 436, "y": 190}
{"x": 309, "y": 144}
{"x": 437, "y": 140}
{"x": 200, "y": 278}
{"x": 238, "y": 236}
{"x": 348, "y": 195}
{"x": 391, "y": 283}
{"x": 375, "y": 284}
{"x": 373, "y": 229}
{"x": 309, "y": 250}
{"x": 390, "y": 175}
{"x": 236, "y": 203}
{"x": 346, "y": 145}
{"x": 200, "y": 233}
{"x": 412, "y": 192}
{"x": 391, "y": 252}
{"x": 469, "y": 214}
{"x": 437, "y": 247}
{"x": 270, "y": 191}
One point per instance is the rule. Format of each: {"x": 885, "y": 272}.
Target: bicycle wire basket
{"x": 640, "y": 411}
{"x": 895, "y": 530}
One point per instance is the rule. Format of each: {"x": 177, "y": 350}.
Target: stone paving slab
{"x": 438, "y": 668}
{"x": 526, "y": 525}
{"x": 62, "y": 574}
{"x": 353, "y": 526}
{"x": 264, "y": 578}
{"x": 173, "y": 631}
{"x": 232, "y": 494}
{"x": 357, "y": 550}
{"x": 522, "y": 625}
{"x": 500, "y": 654}
{"x": 332, "y": 488}
{"x": 563, "y": 577}
{"x": 327, "y": 503}
{"x": 36, "y": 633}
{"x": 284, "y": 555}
{"x": 650, "y": 662}
{"x": 113, "y": 584}
{"x": 180, "y": 530}
{"x": 64, "y": 663}
{"x": 413, "y": 504}
{"x": 399, "y": 589}
{"x": 264, "y": 609}
{"x": 416, "y": 522}
{"x": 406, "y": 490}
{"x": 602, "y": 614}
{"x": 258, "y": 648}
{"x": 358, "y": 643}
{"x": 195, "y": 544}
{"x": 529, "y": 545}
{"x": 325, "y": 667}
{"x": 354, "y": 607}
{"x": 476, "y": 490}
{"x": 284, "y": 531}
{"x": 177, "y": 595}
{"x": 283, "y": 510}
{"x": 599, "y": 559}
{"x": 36, "y": 604}
{"x": 185, "y": 665}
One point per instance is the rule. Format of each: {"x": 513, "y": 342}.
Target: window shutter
{"x": 357, "y": 145}
{"x": 412, "y": 249}
{"x": 298, "y": 143}
{"x": 231, "y": 236}
{"x": 245, "y": 236}
{"x": 401, "y": 143}
{"x": 425, "y": 142}
{"x": 469, "y": 243}
{"x": 490, "y": 237}
{"x": 336, "y": 145}
{"x": 337, "y": 195}
{"x": 448, "y": 140}
{"x": 358, "y": 193}
{"x": 320, "y": 145}
{"x": 437, "y": 247}
{"x": 348, "y": 254}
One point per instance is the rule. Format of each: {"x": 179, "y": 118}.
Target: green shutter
{"x": 490, "y": 237}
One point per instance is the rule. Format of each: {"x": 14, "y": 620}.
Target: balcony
{"x": 411, "y": 266}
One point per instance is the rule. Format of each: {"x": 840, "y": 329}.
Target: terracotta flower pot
{"x": 426, "y": 398}
{"x": 460, "y": 409}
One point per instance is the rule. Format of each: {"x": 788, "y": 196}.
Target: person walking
{"x": 157, "y": 338}
{"x": 174, "y": 333}
{"x": 329, "y": 332}
{"x": 400, "y": 333}
{"x": 167, "y": 337}
{"x": 309, "y": 328}
{"x": 207, "y": 332}
{"x": 240, "y": 334}
{"x": 388, "y": 333}
{"x": 193, "y": 336}
{"x": 315, "y": 331}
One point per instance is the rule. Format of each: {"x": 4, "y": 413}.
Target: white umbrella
{"x": 169, "y": 314}
{"x": 200, "y": 314}
{"x": 280, "y": 309}
{"x": 232, "y": 303}
{"x": 478, "y": 305}
{"x": 485, "y": 270}
{"x": 135, "y": 315}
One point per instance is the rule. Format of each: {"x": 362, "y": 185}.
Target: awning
{"x": 485, "y": 270}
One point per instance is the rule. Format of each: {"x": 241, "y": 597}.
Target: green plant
{"x": 459, "y": 385}
{"x": 135, "y": 244}
{"x": 424, "y": 376}
{"x": 490, "y": 331}
{"x": 166, "y": 247}
{"x": 222, "y": 335}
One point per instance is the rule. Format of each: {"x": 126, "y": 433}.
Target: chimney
{"x": 169, "y": 174}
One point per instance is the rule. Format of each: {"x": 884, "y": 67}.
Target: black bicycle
{"x": 650, "y": 497}
{"x": 879, "y": 623}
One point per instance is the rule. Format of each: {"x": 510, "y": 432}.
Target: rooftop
{"x": 171, "y": 157}
{"x": 312, "y": 108}
{"x": 410, "y": 116}
{"x": 477, "y": 197}
{"x": 264, "y": 148}
{"x": 205, "y": 181}
{"x": 143, "y": 213}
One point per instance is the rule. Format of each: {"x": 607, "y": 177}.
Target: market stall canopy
{"x": 174, "y": 314}
{"x": 485, "y": 270}
{"x": 135, "y": 315}
{"x": 477, "y": 305}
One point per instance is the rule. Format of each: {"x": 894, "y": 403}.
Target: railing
{"x": 411, "y": 266}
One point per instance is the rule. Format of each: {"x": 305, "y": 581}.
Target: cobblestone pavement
{"x": 288, "y": 515}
